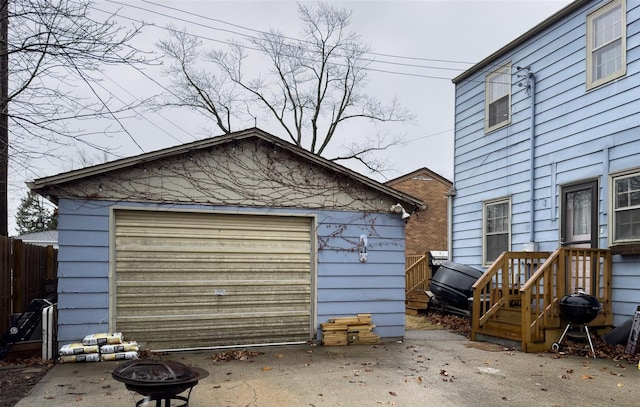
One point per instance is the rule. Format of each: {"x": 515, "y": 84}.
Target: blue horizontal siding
{"x": 377, "y": 282}
{"x": 84, "y": 238}
{"x": 83, "y": 285}
{"x": 88, "y": 300}
{"x": 361, "y": 294}
{"x": 344, "y": 285}
{"x": 86, "y": 316}
{"x": 375, "y": 256}
{"x": 81, "y": 269}
{"x": 347, "y": 287}
{"x": 84, "y": 253}
{"x": 576, "y": 131}
{"x": 68, "y": 333}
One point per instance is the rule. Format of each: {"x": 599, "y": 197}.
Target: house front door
{"x": 579, "y": 228}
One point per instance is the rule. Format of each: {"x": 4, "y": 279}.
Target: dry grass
{"x": 420, "y": 322}
{"x": 436, "y": 320}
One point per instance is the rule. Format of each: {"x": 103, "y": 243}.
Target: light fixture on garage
{"x": 397, "y": 208}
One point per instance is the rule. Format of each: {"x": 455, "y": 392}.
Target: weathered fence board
{"x": 5, "y": 283}
{"x": 28, "y": 272}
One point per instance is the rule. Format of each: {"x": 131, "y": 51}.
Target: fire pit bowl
{"x": 159, "y": 380}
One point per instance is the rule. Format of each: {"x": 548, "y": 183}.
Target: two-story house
{"x": 547, "y": 146}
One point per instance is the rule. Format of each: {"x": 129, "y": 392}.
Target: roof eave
{"x": 568, "y": 9}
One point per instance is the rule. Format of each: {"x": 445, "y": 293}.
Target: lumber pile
{"x": 356, "y": 330}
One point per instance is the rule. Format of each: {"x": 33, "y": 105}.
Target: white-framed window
{"x": 625, "y": 207}
{"x": 496, "y": 229}
{"x": 606, "y": 44}
{"x": 498, "y": 98}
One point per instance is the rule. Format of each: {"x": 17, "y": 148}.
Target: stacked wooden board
{"x": 356, "y": 330}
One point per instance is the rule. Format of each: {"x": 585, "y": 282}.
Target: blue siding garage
{"x": 224, "y": 274}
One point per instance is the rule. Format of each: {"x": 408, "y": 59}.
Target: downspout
{"x": 531, "y": 87}
{"x": 450, "y": 195}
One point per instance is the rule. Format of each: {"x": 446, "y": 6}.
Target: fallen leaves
{"x": 235, "y": 355}
{"x": 452, "y": 322}
{"x": 570, "y": 347}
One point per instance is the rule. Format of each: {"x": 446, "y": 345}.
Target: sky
{"x": 418, "y": 48}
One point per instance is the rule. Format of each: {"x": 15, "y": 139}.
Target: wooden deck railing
{"x": 412, "y": 258}
{"x": 532, "y": 284}
{"x": 498, "y": 287}
{"x": 565, "y": 271}
{"x": 417, "y": 274}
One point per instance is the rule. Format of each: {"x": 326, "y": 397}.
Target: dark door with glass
{"x": 580, "y": 215}
{"x": 579, "y": 229}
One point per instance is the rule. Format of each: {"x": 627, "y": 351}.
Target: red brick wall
{"x": 426, "y": 230}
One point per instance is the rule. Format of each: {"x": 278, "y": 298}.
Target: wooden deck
{"x": 517, "y": 298}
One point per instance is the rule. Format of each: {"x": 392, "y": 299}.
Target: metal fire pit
{"x": 579, "y": 308}
{"x": 158, "y": 380}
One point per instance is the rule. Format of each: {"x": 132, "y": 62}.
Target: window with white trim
{"x": 606, "y": 44}
{"x": 496, "y": 229}
{"x": 498, "y": 98}
{"x": 626, "y": 208}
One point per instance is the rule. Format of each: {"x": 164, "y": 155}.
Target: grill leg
{"x": 586, "y": 330}
{"x": 556, "y": 345}
{"x": 564, "y": 333}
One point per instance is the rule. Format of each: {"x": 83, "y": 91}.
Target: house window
{"x": 496, "y": 229}
{"x": 498, "y": 98}
{"x": 626, "y": 208}
{"x": 606, "y": 44}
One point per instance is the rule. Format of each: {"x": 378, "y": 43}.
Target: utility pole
{"x": 4, "y": 117}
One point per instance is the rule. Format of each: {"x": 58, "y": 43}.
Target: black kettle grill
{"x": 580, "y": 309}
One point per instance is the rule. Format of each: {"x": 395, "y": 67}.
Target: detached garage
{"x": 237, "y": 240}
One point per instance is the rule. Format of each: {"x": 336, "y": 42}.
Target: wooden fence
{"x": 27, "y": 272}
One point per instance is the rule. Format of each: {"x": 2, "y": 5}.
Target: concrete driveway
{"x": 434, "y": 368}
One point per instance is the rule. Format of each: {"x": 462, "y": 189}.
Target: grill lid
{"x": 150, "y": 372}
{"x": 580, "y": 308}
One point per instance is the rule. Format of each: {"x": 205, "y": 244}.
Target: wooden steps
{"x": 506, "y": 324}
{"x": 416, "y": 302}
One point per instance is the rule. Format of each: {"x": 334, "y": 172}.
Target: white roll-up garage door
{"x": 194, "y": 280}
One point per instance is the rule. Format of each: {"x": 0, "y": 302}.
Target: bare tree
{"x": 56, "y": 52}
{"x": 315, "y": 84}
{"x": 51, "y": 56}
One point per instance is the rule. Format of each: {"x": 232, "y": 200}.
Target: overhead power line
{"x": 279, "y": 35}
{"x": 213, "y": 28}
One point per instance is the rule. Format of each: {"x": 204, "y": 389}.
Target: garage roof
{"x": 43, "y": 185}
